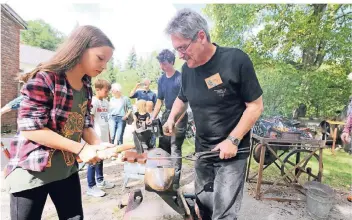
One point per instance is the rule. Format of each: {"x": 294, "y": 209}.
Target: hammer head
{"x": 138, "y": 142}
{"x": 157, "y": 128}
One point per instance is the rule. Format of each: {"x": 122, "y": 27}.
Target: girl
{"x": 141, "y": 120}
{"x": 141, "y": 117}
{"x": 53, "y": 117}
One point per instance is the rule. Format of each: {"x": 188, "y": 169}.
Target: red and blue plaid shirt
{"x": 47, "y": 103}
{"x": 348, "y": 126}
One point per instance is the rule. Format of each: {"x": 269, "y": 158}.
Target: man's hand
{"x": 345, "y": 137}
{"x": 124, "y": 118}
{"x": 169, "y": 128}
{"x": 138, "y": 85}
{"x": 227, "y": 149}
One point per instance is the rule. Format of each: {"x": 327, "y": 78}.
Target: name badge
{"x": 213, "y": 81}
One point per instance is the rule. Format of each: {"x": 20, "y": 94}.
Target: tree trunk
{"x": 314, "y": 54}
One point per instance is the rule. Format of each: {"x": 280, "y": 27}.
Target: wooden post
{"x": 334, "y": 137}
{"x": 260, "y": 171}
{"x": 320, "y": 175}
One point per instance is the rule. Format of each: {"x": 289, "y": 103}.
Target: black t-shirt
{"x": 219, "y": 103}
{"x": 141, "y": 119}
{"x": 168, "y": 88}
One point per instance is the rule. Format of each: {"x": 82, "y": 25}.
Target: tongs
{"x": 199, "y": 155}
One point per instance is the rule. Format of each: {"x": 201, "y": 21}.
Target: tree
{"x": 305, "y": 36}
{"x": 301, "y": 52}
{"x": 41, "y": 34}
{"x": 132, "y": 60}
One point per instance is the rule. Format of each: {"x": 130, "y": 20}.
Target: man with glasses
{"x": 222, "y": 89}
{"x": 168, "y": 88}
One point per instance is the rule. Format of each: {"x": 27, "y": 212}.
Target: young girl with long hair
{"x": 53, "y": 117}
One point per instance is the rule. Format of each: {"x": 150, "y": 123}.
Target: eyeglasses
{"x": 184, "y": 48}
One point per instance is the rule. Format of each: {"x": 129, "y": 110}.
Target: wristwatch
{"x": 235, "y": 141}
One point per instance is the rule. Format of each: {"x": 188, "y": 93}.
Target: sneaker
{"x": 105, "y": 185}
{"x": 95, "y": 191}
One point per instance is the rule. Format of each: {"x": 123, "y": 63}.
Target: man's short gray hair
{"x": 187, "y": 23}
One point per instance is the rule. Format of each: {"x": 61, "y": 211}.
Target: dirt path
{"x": 106, "y": 207}
{"x": 153, "y": 207}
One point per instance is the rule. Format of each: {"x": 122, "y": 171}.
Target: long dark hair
{"x": 70, "y": 52}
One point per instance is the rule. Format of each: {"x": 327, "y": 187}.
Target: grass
{"x": 337, "y": 169}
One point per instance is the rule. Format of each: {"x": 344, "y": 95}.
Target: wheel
{"x": 306, "y": 171}
{"x": 268, "y": 158}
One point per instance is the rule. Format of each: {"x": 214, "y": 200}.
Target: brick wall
{"x": 10, "y": 46}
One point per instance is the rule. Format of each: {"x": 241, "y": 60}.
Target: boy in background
{"x": 100, "y": 113}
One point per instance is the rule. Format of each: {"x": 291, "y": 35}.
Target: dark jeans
{"x": 219, "y": 188}
{"x": 173, "y": 144}
{"x": 117, "y": 128}
{"x": 93, "y": 170}
{"x": 65, "y": 194}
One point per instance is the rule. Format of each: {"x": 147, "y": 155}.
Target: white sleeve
{"x": 94, "y": 106}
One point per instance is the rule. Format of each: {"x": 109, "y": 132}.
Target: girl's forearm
{"x": 51, "y": 139}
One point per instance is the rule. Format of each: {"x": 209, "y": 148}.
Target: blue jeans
{"x": 219, "y": 187}
{"x": 93, "y": 170}
{"x": 117, "y": 128}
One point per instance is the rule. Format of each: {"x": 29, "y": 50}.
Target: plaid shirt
{"x": 348, "y": 126}
{"x": 47, "y": 101}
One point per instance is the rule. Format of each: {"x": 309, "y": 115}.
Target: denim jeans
{"x": 117, "y": 128}
{"x": 219, "y": 187}
{"x": 95, "y": 171}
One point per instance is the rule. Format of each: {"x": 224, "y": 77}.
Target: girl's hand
{"x": 94, "y": 153}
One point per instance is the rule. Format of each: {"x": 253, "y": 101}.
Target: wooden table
{"x": 308, "y": 146}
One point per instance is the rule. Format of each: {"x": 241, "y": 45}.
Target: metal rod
{"x": 206, "y": 155}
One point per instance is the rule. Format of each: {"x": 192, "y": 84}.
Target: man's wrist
{"x": 234, "y": 140}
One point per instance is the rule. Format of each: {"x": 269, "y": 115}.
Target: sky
{"x": 128, "y": 24}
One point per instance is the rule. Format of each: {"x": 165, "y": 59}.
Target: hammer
{"x": 107, "y": 153}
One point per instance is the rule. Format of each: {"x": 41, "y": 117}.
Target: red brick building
{"x": 11, "y": 24}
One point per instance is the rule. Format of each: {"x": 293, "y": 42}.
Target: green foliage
{"x": 41, "y": 34}
{"x": 301, "y": 52}
{"x": 303, "y": 35}
{"x": 131, "y": 60}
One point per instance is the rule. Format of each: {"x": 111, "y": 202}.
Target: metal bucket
{"x": 159, "y": 173}
{"x": 320, "y": 199}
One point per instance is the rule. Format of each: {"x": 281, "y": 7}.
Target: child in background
{"x": 100, "y": 113}
{"x": 150, "y": 108}
{"x": 141, "y": 120}
{"x": 141, "y": 117}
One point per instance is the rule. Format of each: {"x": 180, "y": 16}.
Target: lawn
{"x": 337, "y": 169}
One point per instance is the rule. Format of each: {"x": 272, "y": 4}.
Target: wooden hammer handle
{"x": 110, "y": 151}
